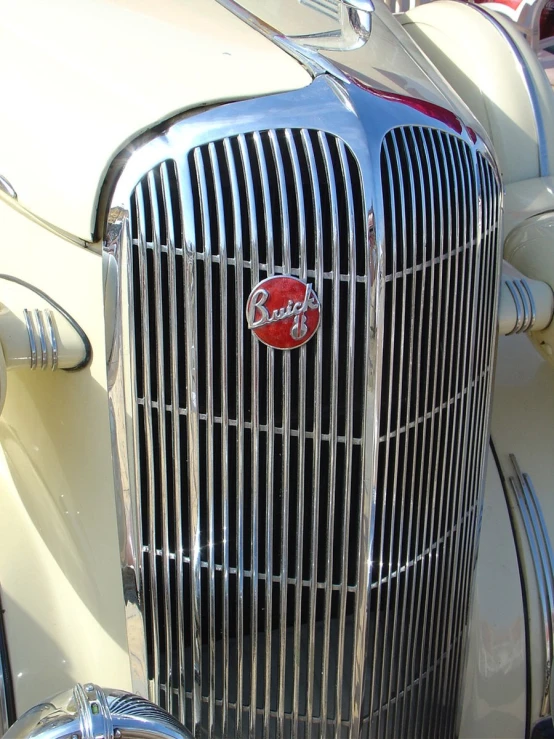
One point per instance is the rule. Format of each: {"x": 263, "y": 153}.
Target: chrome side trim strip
{"x": 7, "y": 701}
{"x": 524, "y": 498}
{"x": 544, "y": 159}
{"x": 6, "y": 187}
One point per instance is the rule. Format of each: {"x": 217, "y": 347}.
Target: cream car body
{"x": 62, "y": 593}
{"x": 87, "y": 83}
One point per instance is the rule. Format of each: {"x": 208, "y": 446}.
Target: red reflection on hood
{"x": 423, "y": 106}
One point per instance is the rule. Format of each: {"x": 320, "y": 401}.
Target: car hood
{"x": 81, "y": 80}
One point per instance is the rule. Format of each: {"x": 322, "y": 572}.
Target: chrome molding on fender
{"x": 7, "y": 706}
{"x": 524, "y": 499}
{"x": 525, "y": 305}
{"x": 540, "y": 123}
{"x": 6, "y": 187}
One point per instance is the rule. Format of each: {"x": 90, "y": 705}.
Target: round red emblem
{"x": 283, "y": 312}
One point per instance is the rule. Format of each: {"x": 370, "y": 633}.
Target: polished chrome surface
{"x": 43, "y": 343}
{"x": 315, "y": 63}
{"x": 32, "y": 341}
{"x": 524, "y": 497}
{"x": 540, "y": 122}
{"x": 6, "y": 187}
{"x": 320, "y": 506}
{"x": 90, "y": 712}
{"x": 524, "y": 302}
{"x": 327, "y": 7}
{"x": 41, "y": 329}
{"x": 7, "y": 704}
{"x": 440, "y": 313}
{"x": 354, "y": 32}
{"x": 48, "y": 318}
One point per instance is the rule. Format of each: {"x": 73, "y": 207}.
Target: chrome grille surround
{"x": 317, "y": 157}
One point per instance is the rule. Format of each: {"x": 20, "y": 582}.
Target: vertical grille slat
{"x": 166, "y": 633}
{"x": 437, "y": 218}
{"x": 149, "y": 485}
{"x": 303, "y": 266}
{"x": 403, "y": 583}
{"x": 333, "y": 410}
{"x": 315, "y": 193}
{"x": 349, "y": 400}
{"x": 193, "y": 441}
{"x": 285, "y": 366}
{"x": 397, "y": 506}
{"x": 255, "y": 435}
{"x": 224, "y": 614}
{"x": 282, "y": 596}
{"x": 206, "y": 240}
{"x": 234, "y": 194}
{"x": 270, "y": 448}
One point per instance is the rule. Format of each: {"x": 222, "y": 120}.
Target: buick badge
{"x": 283, "y": 312}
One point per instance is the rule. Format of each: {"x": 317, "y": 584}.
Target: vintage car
{"x": 266, "y": 467}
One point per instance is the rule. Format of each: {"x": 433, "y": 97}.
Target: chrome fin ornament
{"x": 353, "y": 33}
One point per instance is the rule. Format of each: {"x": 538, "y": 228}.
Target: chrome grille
{"x": 441, "y": 277}
{"x": 262, "y": 613}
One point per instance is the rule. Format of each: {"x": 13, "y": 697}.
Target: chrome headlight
{"x": 90, "y": 712}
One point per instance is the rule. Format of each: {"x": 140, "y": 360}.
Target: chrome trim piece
{"x": 202, "y": 213}
{"x": 48, "y": 316}
{"x": 327, "y": 7}
{"x": 32, "y": 342}
{"x": 7, "y": 701}
{"x": 524, "y": 498}
{"x": 42, "y": 334}
{"x": 314, "y": 63}
{"x": 75, "y": 240}
{"x": 6, "y": 188}
{"x": 540, "y": 122}
{"x": 526, "y": 312}
{"x": 45, "y": 332}
{"x": 354, "y": 32}
{"x": 90, "y": 712}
